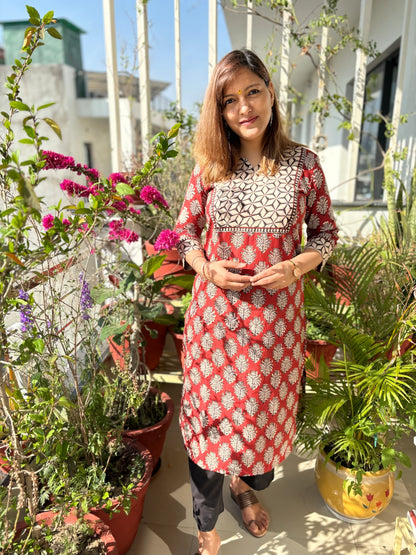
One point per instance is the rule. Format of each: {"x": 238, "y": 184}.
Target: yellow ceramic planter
{"x": 377, "y": 488}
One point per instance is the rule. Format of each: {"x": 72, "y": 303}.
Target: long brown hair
{"x": 216, "y": 147}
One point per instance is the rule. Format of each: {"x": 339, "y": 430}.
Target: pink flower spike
{"x": 167, "y": 240}
{"x": 47, "y": 221}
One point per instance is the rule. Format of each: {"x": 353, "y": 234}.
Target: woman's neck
{"x": 252, "y": 155}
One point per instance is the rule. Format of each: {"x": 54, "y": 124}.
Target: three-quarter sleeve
{"x": 191, "y": 220}
{"x": 322, "y": 231}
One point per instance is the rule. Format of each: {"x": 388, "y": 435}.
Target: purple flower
{"x": 167, "y": 240}
{"x": 47, "y": 221}
{"x": 26, "y": 317}
{"x": 86, "y": 299}
{"x": 150, "y": 195}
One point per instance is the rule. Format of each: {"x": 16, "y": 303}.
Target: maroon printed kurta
{"x": 244, "y": 351}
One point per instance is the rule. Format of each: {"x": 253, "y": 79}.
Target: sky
{"x": 87, "y": 15}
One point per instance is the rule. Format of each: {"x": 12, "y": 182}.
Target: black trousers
{"x": 207, "y": 497}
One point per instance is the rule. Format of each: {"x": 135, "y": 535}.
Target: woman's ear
{"x": 271, "y": 91}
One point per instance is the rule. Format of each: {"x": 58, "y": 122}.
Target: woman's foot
{"x": 209, "y": 543}
{"x": 255, "y": 517}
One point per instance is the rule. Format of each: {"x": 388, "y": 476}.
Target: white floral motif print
{"x": 206, "y": 342}
{"x": 231, "y": 321}
{"x": 264, "y": 393}
{"x": 266, "y": 366}
{"x": 252, "y": 406}
{"x": 255, "y": 352}
{"x": 224, "y": 251}
{"x": 209, "y": 315}
{"x": 253, "y": 380}
{"x": 257, "y": 298}
{"x": 234, "y": 468}
{"x": 269, "y": 313}
{"x": 274, "y": 405}
{"x": 282, "y": 300}
{"x": 205, "y": 393}
{"x": 237, "y": 239}
{"x": 217, "y": 384}
{"x": 248, "y": 457}
{"x": 229, "y": 374}
{"x": 231, "y": 347}
{"x": 238, "y": 417}
{"x": 249, "y": 433}
{"x": 219, "y": 331}
{"x": 249, "y": 255}
{"x": 206, "y": 368}
{"x": 214, "y": 435}
{"x": 240, "y": 390}
{"x": 241, "y": 364}
{"x": 263, "y": 242}
{"x": 243, "y": 337}
{"x": 237, "y": 443}
{"x": 268, "y": 339}
{"x": 244, "y": 310}
{"x": 221, "y": 305}
{"x": 226, "y": 427}
{"x": 256, "y": 326}
{"x": 224, "y": 452}
{"x": 218, "y": 358}
{"x": 260, "y": 444}
{"x": 262, "y": 419}
{"x": 214, "y": 410}
{"x": 211, "y": 461}
{"x": 227, "y": 400}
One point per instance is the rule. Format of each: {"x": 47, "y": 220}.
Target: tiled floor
{"x": 300, "y": 521}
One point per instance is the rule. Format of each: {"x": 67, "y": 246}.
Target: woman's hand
{"x": 218, "y": 272}
{"x": 278, "y": 276}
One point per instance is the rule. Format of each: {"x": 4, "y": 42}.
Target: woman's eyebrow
{"x": 257, "y": 84}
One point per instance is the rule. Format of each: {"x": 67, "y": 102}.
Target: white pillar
{"x": 144, "y": 81}
{"x": 358, "y": 99}
{"x": 212, "y": 36}
{"x": 285, "y": 62}
{"x": 249, "y": 36}
{"x": 319, "y": 140}
{"x": 404, "y": 52}
{"x": 178, "y": 55}
{"x": 112, "y": 85}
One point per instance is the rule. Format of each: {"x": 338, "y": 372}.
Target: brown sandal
{"x": 244, "y": 500}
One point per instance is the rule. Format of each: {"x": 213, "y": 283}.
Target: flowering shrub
{"x": 55, "y": 401}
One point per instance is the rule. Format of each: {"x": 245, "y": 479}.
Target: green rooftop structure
{"x": 66, "y": 51}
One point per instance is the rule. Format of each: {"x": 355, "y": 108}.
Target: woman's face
{"x": 247, "y": 106}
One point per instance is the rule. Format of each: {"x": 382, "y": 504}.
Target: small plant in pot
{"x": 357, "y": 418}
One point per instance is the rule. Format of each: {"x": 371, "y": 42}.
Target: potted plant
{"x": 55, "y": 392}
{"x": 357, "y": 415}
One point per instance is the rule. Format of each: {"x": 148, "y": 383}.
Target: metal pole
{"x": 285, "y": 63}
{"x": 358, "y": 98}
{"x": 212, "y": 36}
{"x": 249, "y": 37}
{"x": 178, "y": 55}
{"x": 144, "y": 81}
{"x": 112, "y": 85}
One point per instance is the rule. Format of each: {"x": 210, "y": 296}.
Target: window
{"x": 380, "y": 91}
{"x": 88, "y": 154}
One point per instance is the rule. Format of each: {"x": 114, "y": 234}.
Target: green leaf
{"x": 123, "y": 189}
{"x": 112, "y": 329}
{"x": 171, "y": 153}
{"x": 46, "y": 105}
{"x": 152, "y": 264}
{"x": 19, "y": 105}
{"x": 54, "y": 126}
{"x": 39, "y": 345}
{"x": 174, "y": 131}
{"x": 33, "y": 14}
{"x": 54, "y": 33}
{"x": 185, "y": 281}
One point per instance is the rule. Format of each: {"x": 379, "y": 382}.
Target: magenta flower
{"x": 120, "y": 233}
{"x": 47, "y": 221}
{"x": 74, "y": 189}
{"x": 167, "y": 240}
{"x": 117, "y": 177}
{"x": 56, "y": 161}
{"x": 150, "y": 195}
{"x": 66, "y": 222}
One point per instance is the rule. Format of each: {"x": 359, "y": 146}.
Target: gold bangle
{"x": 202, "y": 269}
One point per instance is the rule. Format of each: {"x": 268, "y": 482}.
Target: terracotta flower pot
{"x": 316, "y": 349}
{"x": 153, "y": 351}
{"x": 124, "y": 526}
{"x": 377, "y": 488}
{"x": 101, "y": 530}
{"x": 153, "y": 437}
{"x": 172, "y": 265}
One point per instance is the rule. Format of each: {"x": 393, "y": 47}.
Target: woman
{"x": 249, "y": 195}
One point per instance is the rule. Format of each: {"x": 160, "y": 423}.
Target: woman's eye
{"x": 253, "y": 91}
{"x": 228, "y": 101}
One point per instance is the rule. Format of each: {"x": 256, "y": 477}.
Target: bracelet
{"x": 194, "y": 258}
{"x": 203, "y": 268}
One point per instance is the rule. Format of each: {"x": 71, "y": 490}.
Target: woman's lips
{"x": 248, "y": 121}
